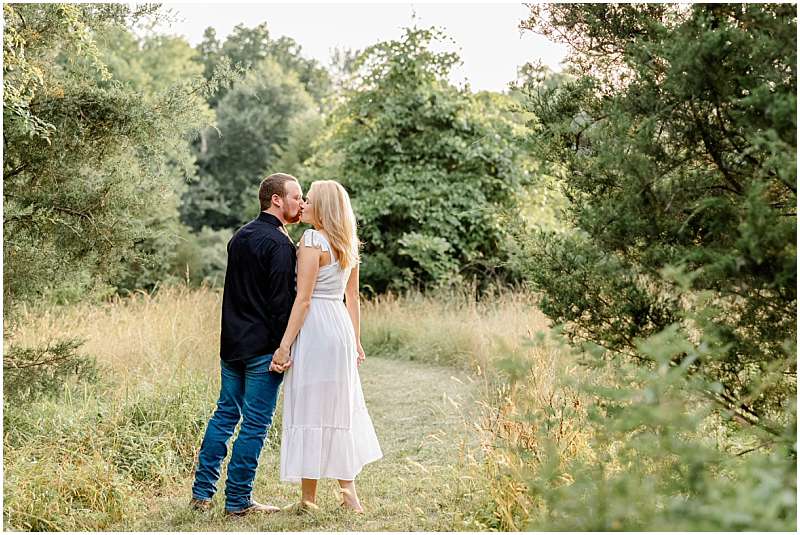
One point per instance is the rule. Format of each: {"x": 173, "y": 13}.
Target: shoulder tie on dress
{"x": 313, "y": 238}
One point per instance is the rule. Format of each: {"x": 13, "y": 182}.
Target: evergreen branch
{"x": 751, "y": 450}
{"x": 730, "y": 137}
{"x": 712, "y": 148}
{"x": 16, "y": 218}
{"x": 207, "y": 84}
{"x": 724, "y": 188}
{"x": 744, "y": 411}
{"x": 15, "y": 172}
{"x": 603, "y": 318}
{"x": 787, "y": 310}
{"x": 18, "y": 14}
{"x": 25, "y": 246}
{"x": 80, "y": 214}
{"x": 11, "y": 364}
{"x": 770, "y": 379}
{"x": 85, "y": 214}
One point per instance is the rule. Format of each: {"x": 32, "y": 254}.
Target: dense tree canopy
{"x": 248, "y": 46}
{"x": 85, "y": 154}
{"x": 425, "y": 163}
{"x": 270, "y": 120}
{"x": 254, "y": 123}
{"x": 150, "y": 64}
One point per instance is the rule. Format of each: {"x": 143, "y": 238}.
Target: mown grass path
{"x": 418, "y": 485}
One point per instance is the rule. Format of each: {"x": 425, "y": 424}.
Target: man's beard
{"x": 289, "y": 218}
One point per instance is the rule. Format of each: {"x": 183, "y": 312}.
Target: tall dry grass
{"x": 525, "y": 403}
{"x": 151, "y": 336}
{"x": 99, "y": 454}
{"x": 526, "y": 416}
{"x": 453, "y": 328}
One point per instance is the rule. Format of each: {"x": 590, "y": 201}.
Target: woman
{"x": 327, "y": 431}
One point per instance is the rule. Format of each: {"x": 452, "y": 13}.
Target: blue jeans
{"x": 248, "y": 391}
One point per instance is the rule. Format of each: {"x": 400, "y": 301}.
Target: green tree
{"x": 83, "y": 158}
{"x": 425, "y": 164}
{"x": 675, "y": 146}
{"x": 538, "y": 76}
{"x": 151, "y": 64}
{"x": 273, "y": 123}
{"x": 249, "y": 46}
{"x": 208, "y": 54}
{"x": 254, "y": 127}
{"x": 304, "y": 130}
{"x": 677, "y": 150}
{"x": 343, "y": 67}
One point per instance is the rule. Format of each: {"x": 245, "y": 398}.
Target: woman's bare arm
{"x": 308, "y": 259}
{"x": 353, "y": 303}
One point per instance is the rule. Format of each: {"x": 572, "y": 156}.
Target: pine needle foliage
{"x": 678, "y": 152}
{"x": 677, "y": 278}
{"x": 33, "y": 372}
{"x": 84, "y": 163}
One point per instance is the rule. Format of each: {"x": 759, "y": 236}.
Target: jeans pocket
{"x": 259, "y": 364}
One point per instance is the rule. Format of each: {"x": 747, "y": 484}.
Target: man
{"x": 259, "y": 293}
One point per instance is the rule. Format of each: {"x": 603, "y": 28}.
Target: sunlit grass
{"x": 120, "y": 454}
{"x": 451, "y": 328}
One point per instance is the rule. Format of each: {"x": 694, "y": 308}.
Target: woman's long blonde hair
{"x": 334, "y": 214}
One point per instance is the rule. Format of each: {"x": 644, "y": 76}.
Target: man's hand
{"x": 281, "y": 360}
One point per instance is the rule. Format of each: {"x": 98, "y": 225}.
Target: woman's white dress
{"x": 327, "y": 431}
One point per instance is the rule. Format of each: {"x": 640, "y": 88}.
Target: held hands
{"x": 360, "y": 352}
{"x": 281, "y": 360}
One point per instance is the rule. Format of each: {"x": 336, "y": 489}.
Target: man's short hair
{"x": 274, "y": 184}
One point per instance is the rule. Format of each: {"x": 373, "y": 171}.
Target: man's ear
{"x": 277, "y": 200}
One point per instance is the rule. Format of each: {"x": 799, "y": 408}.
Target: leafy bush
{"x": 202, "y": 257}
{"x": 663, "y": 460}
{"x": 626, "y": 448}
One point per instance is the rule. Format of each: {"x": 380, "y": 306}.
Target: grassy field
{"x": 415, "y": 486}
{"x": 119, "y": 454}
{"x": 479, "y": 430}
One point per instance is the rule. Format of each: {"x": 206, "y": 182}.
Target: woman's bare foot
{"x": 301, "y": 506}
{"x": 308, "y": 497}
{"x": 351, "y": 502}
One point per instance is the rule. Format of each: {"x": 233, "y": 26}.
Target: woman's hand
{"x": 360, "y": 352}
{"x": 281, "y": 360}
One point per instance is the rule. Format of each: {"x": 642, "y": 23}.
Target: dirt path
{"x": 416, "y": 486}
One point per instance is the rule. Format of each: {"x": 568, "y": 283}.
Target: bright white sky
{"x": 488, "y": 34}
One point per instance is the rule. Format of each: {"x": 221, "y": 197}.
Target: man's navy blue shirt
{"x": 260, "y": 288}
